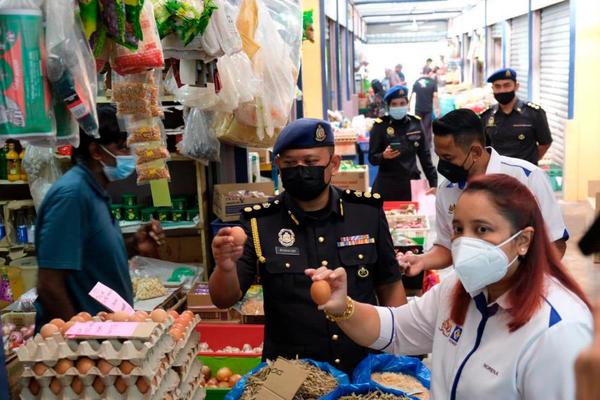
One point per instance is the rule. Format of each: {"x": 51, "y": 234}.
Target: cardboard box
{"x": 228, "y": 204}
{"x": 183, "y": 249}
{"x": 355, "y": 180}
{"x": 199, "y": 300}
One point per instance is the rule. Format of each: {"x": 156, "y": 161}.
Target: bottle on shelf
{"x": 23, "y": 172}
{"x": 14, "y": 164}
{"x": 2, "y": 227}
{"x": 31, "y": 225}
{"x": 21, "y": 224}
{"x": 3, "y": 165}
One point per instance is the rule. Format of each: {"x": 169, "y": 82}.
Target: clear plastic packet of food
{"x": 153, "y": 151}
{"x": 164, "y": 20}
{"x": 191, "y": 17}
{"x": 142, "y": 131}
{"x": 199, "y": 137}
{"x": 153, "y": 171}
{"x": 149, "y": 53}
{"x": 137, "y": 94}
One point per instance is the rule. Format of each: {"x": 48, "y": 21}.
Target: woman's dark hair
{"x": 377, "y": 86}
{"x": 515, "y": 202}
{"x": 109, "y": 132}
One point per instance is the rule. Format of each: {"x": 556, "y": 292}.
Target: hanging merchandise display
{"x": 25, "y": 101}
{"x": 199, "y": 141}
{"x": 42, "y": 171}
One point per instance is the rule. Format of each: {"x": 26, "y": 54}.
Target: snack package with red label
{"x": 149, "y": 53}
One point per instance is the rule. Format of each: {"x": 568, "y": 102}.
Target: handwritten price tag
{"x": 102, "y": 329}
{"x": 110, "y": 299}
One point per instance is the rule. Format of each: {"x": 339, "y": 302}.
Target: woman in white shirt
{"x": 507, "y": 324}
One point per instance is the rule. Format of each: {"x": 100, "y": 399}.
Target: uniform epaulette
{"x": 378, "y": 120}
{"x": 534, "y": 106}
{"x": 259, "y": 210}
{"x": 484, "y": 111}
{"x": 415, "y": 117}
{"x": 356, "y": 196}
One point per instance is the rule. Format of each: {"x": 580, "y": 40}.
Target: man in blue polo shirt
{"x": 78, "y": 241}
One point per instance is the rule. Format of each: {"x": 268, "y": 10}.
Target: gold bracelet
{"x": 346, "y": 315}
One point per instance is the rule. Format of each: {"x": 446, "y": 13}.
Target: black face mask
{"x": 504, "y": 98}
{"x": 454, "y": 173}
{"x": 304, "y": 183}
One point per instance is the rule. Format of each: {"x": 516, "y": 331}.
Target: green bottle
{"x": 3, "y": 165}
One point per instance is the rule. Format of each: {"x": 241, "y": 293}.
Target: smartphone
{"x": 395, "y": 146}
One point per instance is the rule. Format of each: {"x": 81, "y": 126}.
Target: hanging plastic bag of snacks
{"x": 137, "y": 94}
{"x": 199, "y": 138}
{"x": 149, "y": 53}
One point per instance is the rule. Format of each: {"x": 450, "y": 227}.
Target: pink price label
{"x": 102, "y": 329}
{"x": 110, "y": 299}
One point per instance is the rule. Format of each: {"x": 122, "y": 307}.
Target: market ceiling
{"x": 409, "y": 20}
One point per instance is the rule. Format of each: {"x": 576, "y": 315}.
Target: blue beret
{"x": 396, "y": 92}
{"x": 304, "y": 133}
{"x": 504, "y": 73}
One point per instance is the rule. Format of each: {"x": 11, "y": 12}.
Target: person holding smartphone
{"x": 396, "y": 141}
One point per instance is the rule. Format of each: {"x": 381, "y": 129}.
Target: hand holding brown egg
{"x": 337, "y": 281}
{"x": 228, "y": 247}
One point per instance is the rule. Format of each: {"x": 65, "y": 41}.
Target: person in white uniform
{"x": 460, "y": 145}
{"x": 508, "y": 323}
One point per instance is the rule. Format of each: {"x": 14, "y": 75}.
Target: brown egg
{"x": 98, "y": 385}
{"x": 120, "y": 385}
{"x": 159, "y": 315}
{"x": 49, "y": 330}
{"x": 142, "y": 385}
{"x": 39, "y": 368}
{"x": 77, "y": 385}
{"x": 104, "y": 366}
{"x": 62, "y": 366}
{"x": 85, "y": 315}
{"x": 66, "y": 327}
{"x": 77, "y": 318}
{"x": 188, "y": 315}
{"x": 84, "y": 364}
{"x": 173, "y": 313}
{"x": 320, "y": 292}
{"x": 34, "y": 387}
{"x": 126, "y": 367}
{"x": 102, "y": 315}
{"x": 59, "y": 323}
{"x": 181, "y": 325}
{"x": 136, "y": 318}
{"x": 176, "y": 334}
{"x": 55, "y": 386}
{"x": 239, "y": 236}
{"x": 121, "y": 316}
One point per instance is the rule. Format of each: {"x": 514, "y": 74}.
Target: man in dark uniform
{"x": 515, "y": 128}
{"x": 311, "y": 224}
{"x": 426, "y": 91}
{"x": 395, "y": 143}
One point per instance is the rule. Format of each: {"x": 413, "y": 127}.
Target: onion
{"x": 234, "y": 379}
{"x": 206, "y": 372}
{"x": 224, "y": 374}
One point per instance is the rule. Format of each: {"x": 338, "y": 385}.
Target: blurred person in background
{"x": 376, "y": 104}
{"x": 401, "y": 77}
{"x": 425, "y": 93}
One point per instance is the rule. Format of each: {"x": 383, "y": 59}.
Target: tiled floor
{"x": 579, "y": 217}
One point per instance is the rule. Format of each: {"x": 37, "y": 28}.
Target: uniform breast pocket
{"x": 359, "y": 262}
{"x": 414, "y": 140}
{"x": 285, "y": 277}
{"x": 523, "y": 132}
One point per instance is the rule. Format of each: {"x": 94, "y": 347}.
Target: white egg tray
{"x": 183, "y": 355}
{"x": 56, "y": 347}
{"x": 167, "y": 382}
{"x": 191, "y": 380}
{"x": 191, "y": 330}
{"x": 198, "y": 394}
{"x": 184, "y": 369}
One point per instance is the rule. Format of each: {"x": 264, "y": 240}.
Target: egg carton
{"x": 165, "y": 381}
{"x": 183, "y": 355}
{"x": 191, "y": 380}
{"x": 184, "y": 369}
{"x": 191, "y": 330}
{"x": 198, "y": 393}
{"x": 148, "y": 369}
{"x": 57, "y": 347}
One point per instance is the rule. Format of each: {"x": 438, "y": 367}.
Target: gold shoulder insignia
{"x": 534, "y": 106}
{"x": 417, "y": 117}
{"x": 378, "y": 120}
{"x": 355, "y": 196}
{"x": 248, "y": 209}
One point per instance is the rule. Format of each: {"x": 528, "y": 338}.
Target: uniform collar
{"x": 503, "y": 301}
{"x": 89, "y": 177}
{"x": 299, "y": 217}
{"x": 494, "y": 165}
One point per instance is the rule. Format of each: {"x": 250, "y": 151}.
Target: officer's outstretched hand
{"x": 389, "y": 154}
{"x": 587, "y": 365}
{"x": 410, "y": 264}
{"x": 338, "y": 282}
{"x": 226, "y": 250}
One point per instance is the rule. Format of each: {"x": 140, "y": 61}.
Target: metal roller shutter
{"x": 554, "y": 74}
{"x": 519, "y": 52}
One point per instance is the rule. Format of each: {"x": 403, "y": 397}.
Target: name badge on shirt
{"x": 347, "y": 241}
{"x": 287, "y": 251}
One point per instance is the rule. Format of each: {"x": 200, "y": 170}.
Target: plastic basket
{"x": 238, "y": 365}
{"x": 219, "y": 336}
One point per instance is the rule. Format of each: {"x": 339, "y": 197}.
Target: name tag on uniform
{"x": 522, "y": 126}
{"x": 346, "y": 241}
{"x": 413, "y": 133}
{"x": 287, "y": 251}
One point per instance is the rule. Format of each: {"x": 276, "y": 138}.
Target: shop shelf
{"x": 219, "y": 336}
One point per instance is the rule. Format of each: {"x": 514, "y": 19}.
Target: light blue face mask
{"x": 398, "y": 112}
{"x": 123, "y": 170}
